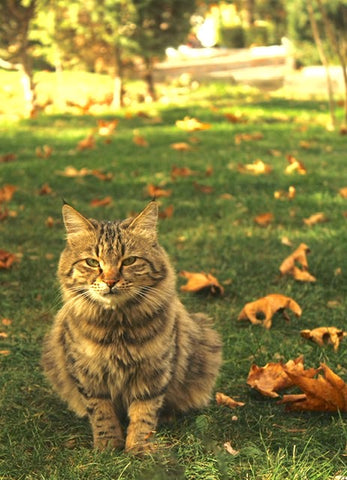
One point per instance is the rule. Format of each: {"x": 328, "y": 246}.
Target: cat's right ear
{"x": 75, "y": 223}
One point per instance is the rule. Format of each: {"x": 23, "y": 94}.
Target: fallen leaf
{"x": 203, "y": 188}
{"x": 326, "y": 393}
{"x": 264, "y": 219}
{"x": 8, "y": 157}
{"x": 139, "y": 140}
{"x": 234, "y": 117}
{"x": 343, "y": 192}
{"x": 156, "y": 192}
{"x": 167, "y": 212}
{"x": 5, "y": 352}
{"x": 181, "y": 146}
{"x": 286, "y": 241}
{"x": 105, "y": 128}
{"x": 86, "y": 143}
{"x": 295, "y": 166}
{"x": 305, "y": 144}
{"x": 192, "y": 124}
{"x": 227, "y": 401}
{"x": 49, "y": 222}
{"x": 226, "y": 196}
{"x": 209, "y": 171}
{"x": 6, "y": 259}
{"x": 6, "y": 193}
{"x": 101, "y": 202}
{"x": 201, "y": 281}
{"x": 45, "y": 189}
{"x": 3, "y": 335}
{"x": 248, "y": 137}
{"x": 315, "y": 218}
{"x": 322, "y": 335}
{"x": 6, "y": 321}
{"x": 289, "y": 264}
{"x": 230, "y": 449}
{"x": 101, "y": 175}
{"x": 72, "y": 172}
{"x": 274, "y": 376}
{"x": 258, "y": 167}
{"x": 290, "y": 194}
{"x": 268, "y": 306}
{"x": 343, "y": 130}
{"x": 44, "y": 152}
{"x": 181, "y": 172}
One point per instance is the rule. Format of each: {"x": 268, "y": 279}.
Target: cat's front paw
{"x": 141, "y": 449}
{"x": 102, "y": 443}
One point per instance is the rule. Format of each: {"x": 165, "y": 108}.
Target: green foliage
{"x": 233, "y": 36}
{"x": 39, "y": 438}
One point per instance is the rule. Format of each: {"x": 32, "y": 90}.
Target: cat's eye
{"x": 129, "y": 261}
{"x": 92, "y": 262}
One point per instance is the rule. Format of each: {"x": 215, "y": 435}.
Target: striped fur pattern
{"x": 123, "y": 349}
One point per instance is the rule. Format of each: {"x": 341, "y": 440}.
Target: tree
{"x": 15, "y": 46}
{"x": 158, "y": 25}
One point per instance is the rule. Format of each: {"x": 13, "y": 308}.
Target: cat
{"x": 123, "y": 345}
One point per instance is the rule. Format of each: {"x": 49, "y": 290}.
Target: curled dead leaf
{"x": 230, "y": 449}
{"x": 139, "y": 140}
{"x": 295, "y": 166}
{"x": 247, "y": 137}
{"x": 192, "y": 124}
{"x": 323, "y": 335}
{"x": 86, "y": 143}
{"x": 326, "y": 393}
{"x": 298, "y": 257}
{"x": 271, "y": 378}
{"x": 282, "y": 194}
{"x": 8, "y": 157}
{"x": 264, "y": 219}
{"x": 7, "y": 192}
{"x": 268, "y": 306}
{"x": 227, "y": 401}
{"x": 96, "y": 202}
{"x": 6, "y": 259}
{"x": 258, "y": 167}
{"x": 181, "y": 146}
{"x": 156, "y": 192}
{"x": 167, "y": 212}
{"x": 181, "y": 172}
{"x": 44, "y": 152}
{"x": 315, "y": 218}
{"x": 201, "y": 281}
{"x": 105, "y": 128}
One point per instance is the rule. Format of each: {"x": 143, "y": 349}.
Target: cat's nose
{"x": 110, "y": 282}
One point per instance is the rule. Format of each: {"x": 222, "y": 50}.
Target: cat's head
{"x": 112, "y": 263}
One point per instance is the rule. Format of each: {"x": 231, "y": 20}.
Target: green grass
{"x": 39, "y": 438}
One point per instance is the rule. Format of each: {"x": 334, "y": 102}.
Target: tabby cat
{"x": 123, "y": 350}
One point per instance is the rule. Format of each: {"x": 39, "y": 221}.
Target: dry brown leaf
{"x": 201, "y": 281}
{"x": 281, "y": 194}
{"x": 295, "y": 166}
{"x": 181, "y": 172}
{"x": 248, "y": 137}
{"x": 167, "y": 212}
{"x": 45, "y": 189}
{"x": 8, "y": 157}
{"x": 227, "y": 401}
{"x": 5, "y": 352}
{"x": 258, "y": 167}
{"x": 101, "y": 175}
{"x": 315, "y": 218}
{"x": 235, "y": 117}
{"x": 323, "y": 335}
{"x": 72, "y": 172}
{"x": 203, "y": 188}
{"x": 289, "y": 265}
{"x": 44, "y": 152}
{"x": 6, "y": 259}
{"x": 274, "y": 376}
{"x": 326, "y": 393}
{"x": 49, "y": 222}
{"x": 343, "y": 192}
{"x": 268, "y": 306}
{"x": 86, "y": 143}
{"x": 264, "y": 219}
{"x": 105, "y": 128}
{"x": 181, "y": 146}
{"x": 156, "y": 192}
{"x": 192, "y": 124}
{"x": 139, "y": 140}
{"x": 101, "y": 202}
{"x": 6, "y": 321}
{"x": 6, "y": 193}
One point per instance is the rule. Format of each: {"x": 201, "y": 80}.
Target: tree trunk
{"x": 118, "y": 91}
{"x": 337, "y": 46}
{"x": 324, "y": 61}
{"x": 149, "y": 79}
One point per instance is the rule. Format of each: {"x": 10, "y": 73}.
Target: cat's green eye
{"x": 129, "y": 261}
{"x": 92, "y": 262}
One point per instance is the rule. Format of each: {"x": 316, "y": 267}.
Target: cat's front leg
{"x": 106, "y": 428}
{"x": 143, "y": 419}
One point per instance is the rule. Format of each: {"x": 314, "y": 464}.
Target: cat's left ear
{"x": 145, "y": 223}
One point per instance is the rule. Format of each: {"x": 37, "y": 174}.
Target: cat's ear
{"x": 145, "y": 223}
{"x": 75, "y": 223}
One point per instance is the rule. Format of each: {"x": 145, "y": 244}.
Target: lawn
{"x": 211, "y": 230}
